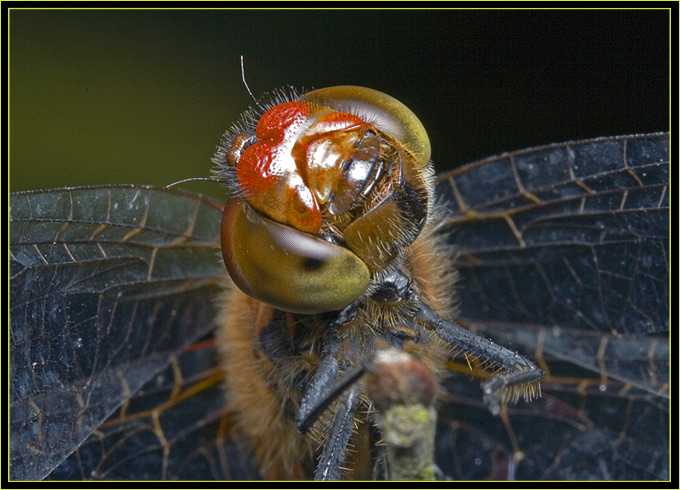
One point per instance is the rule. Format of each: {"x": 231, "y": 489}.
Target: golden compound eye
{"x": 385, "y": 112}
{"x": 286, "y": 268}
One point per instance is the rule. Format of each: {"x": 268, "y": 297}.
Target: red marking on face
{"x": 287, "y": 173}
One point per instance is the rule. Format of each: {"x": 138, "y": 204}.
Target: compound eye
{"x": 384, "y": 112}
{"x": 286, "y": 268}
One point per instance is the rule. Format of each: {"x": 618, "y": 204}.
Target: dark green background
{"x": 119, "y": 96}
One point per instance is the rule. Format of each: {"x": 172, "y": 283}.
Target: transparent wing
{"x": 574, "y": 235}
{"x": 107, "y": 283}
{"x": 563, "y": 256}
{"x": 176, "y": 427}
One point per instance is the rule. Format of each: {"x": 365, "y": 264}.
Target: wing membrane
{"x": 564, "y": 257}
{"x": 572, "y": 235}
{"x": 106, "y": 283}
{"x": 176, "y": 427}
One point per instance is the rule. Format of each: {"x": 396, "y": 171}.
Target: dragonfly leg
{"x": 329, "y": 467}
{"x": 520, "y": 377}
{"x": 324, "y": 379}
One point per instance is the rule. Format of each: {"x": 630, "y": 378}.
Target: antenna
{"x": 191, "y": 179}
{"x": 243, "y": 77}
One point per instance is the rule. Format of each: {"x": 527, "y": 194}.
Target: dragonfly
{"x": 562, "y": 253}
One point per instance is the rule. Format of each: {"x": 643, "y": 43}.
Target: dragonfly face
{"x": 125, "y": 279}
{"x": 316, "y": 184}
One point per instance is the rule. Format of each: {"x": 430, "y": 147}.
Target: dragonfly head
{"x": 343, "y": 170}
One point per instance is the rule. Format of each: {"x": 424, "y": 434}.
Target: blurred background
{"x": 143, "y": 96}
